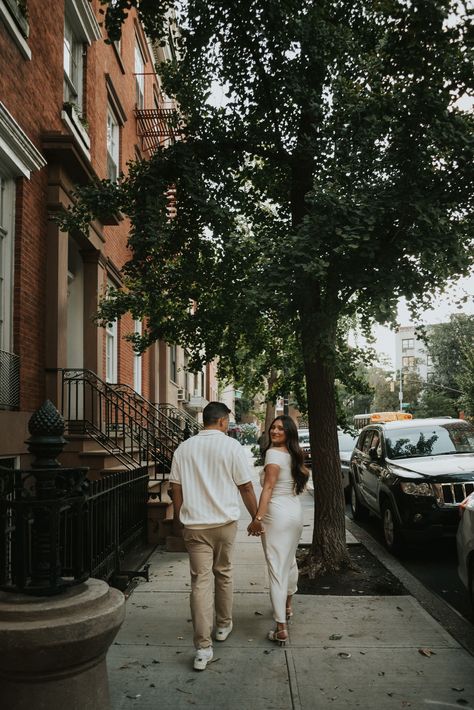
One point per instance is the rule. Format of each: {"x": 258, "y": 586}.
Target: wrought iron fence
{"x": 88, "y": 533}
{"x": 57, "y": 528}
{"x": 9, "y": 380}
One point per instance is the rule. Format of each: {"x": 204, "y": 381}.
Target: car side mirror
{"x": 373, "y": 454}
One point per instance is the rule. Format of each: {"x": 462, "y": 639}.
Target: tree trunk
{"x": 328, "y": 550}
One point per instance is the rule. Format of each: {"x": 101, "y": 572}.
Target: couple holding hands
{"x": 208, "y": 472}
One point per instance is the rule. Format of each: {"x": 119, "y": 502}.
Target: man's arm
{"x": 247, "y": 492}
{"x": 177, "y": 498}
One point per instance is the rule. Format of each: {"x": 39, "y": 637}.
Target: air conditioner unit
{"x": 182, "y": 395}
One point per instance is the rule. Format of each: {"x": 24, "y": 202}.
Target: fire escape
{"x": 157, "y": 127}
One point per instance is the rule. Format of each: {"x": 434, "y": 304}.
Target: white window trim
{"x": 83, "y": 20}
{"x": 138, "y": 363}
{"x": 115, "y": 158}
{"x": 111, "y": 333}
{"x": 139, "y": 76}
{"x": 6, "y": 267}
{"x": 16, "y": 149}
{"x": 78, "y": 130}
{"x": 15, "y": 33}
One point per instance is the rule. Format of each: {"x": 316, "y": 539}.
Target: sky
{"x": 443, "y": 306}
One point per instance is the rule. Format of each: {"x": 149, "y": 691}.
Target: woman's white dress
{"x": 283, "y": 525}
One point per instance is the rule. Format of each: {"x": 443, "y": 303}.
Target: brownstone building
{"x": 73, "y": 109}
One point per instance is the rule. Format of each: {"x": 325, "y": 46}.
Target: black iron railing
{"x": 9, "y": 380}
{"x": 57, "y": 528}
{"x": 171, "y": 428}
{"x": 183, "y": 420}
{"x": 119, "y": 423}
{"x": 116, "y": 520}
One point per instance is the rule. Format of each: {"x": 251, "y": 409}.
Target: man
{"x": 206, "y": 472}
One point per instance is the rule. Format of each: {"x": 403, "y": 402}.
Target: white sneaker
{"x": 222, "y": 632}
{"x": 202, "y": 658}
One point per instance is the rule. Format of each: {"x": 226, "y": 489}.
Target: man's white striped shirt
{"x": 209, "y": 467}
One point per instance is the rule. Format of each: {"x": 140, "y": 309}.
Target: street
{"x": 433, "y": 564}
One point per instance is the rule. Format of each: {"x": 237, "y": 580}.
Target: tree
{"x": 450, "y": 346}
{"x": 435, "y": 404}
{"x": 336, "y": 178}
{"x": 385, "y": 396}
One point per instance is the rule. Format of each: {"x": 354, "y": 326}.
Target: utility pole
{"x": 400, "y": 391}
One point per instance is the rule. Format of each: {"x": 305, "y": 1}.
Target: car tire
{"x": 358, "y": 509}
{"x": 392, "y": 535}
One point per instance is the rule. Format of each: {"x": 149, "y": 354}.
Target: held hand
{"x": 255, "y": 528}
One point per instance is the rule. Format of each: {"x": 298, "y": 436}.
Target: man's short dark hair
{"x": 214, "y": 411}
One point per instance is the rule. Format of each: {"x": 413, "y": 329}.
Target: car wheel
{"x": 359, "y": 511}
{"x": 391, "y": 529}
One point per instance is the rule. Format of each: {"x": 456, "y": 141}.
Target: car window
{"x": 434, "y": 440}
{"x": 366, "y": 441}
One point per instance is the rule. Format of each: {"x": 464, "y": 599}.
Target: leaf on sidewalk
{"x": 335, "y": 637}
{"x": 344, "y": 654}
{"x": 258, "y": 613}
{"x": 426, "y": 652}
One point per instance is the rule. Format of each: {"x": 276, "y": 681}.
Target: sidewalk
{"x": 345, "y": 652}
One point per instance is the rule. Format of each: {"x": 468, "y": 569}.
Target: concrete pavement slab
{"x": 384, "y": 622}
{"x": 383, "y": 678}
{"x": 237, "y": 679}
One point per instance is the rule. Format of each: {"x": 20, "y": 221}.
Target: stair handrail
{"x": 180, "y": 414}
{"x": 171, "y": 428}
{"x": 142, "y": 438}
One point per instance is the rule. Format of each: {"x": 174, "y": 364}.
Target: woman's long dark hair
{"x": 298, "y": 470}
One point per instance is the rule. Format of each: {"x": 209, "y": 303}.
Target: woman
{"x": 284, "y": 478}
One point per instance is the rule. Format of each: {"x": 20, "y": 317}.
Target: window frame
{"x": 113, "y": 156}
{"x": 139, "y": 67}
{"x": 7, "y": 247}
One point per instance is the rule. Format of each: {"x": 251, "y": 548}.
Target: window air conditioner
{"x": 181, "y": 394}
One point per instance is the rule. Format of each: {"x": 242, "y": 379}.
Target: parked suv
{"x": 413, "y": 475}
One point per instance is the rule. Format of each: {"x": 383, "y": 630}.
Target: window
{"x": 13, "y": 15}
{"x": 408, "y": 361}
{"x": 137, "y": 363}
{"x": 408, "y": 344}
{"x": 365, "y": 444}
{"x": 111, "y": 352}
{"x": 80, "y": 30}
{"x": 111, "y": 347}
{"x": 139, "y": 76}
{"x": 7, "y": 208}
{"x": 173, "y": 364}
{"x": 113, "y": 146}
{"x": 73, "y": 66}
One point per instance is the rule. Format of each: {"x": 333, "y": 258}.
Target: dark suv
{"x": 413, "y": 475}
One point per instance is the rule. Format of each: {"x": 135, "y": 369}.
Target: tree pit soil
{"x": 368, "y": 578}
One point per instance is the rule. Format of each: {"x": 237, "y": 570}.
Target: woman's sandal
{"x": 289, "y": 613}
{"x": 279, "y": 636}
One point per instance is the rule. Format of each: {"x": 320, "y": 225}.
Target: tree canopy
{"x": 335, "y": 176}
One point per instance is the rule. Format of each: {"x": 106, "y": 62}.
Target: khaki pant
{"x": 210, "y": 552}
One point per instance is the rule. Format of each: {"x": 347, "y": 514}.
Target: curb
{"x": 450, "y": 619}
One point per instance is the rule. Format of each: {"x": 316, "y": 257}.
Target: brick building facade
{"x": 69, "y": 114}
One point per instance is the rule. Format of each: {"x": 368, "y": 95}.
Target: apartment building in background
{"x": 74, "y": 109}
{"x": 411, "y": 353}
